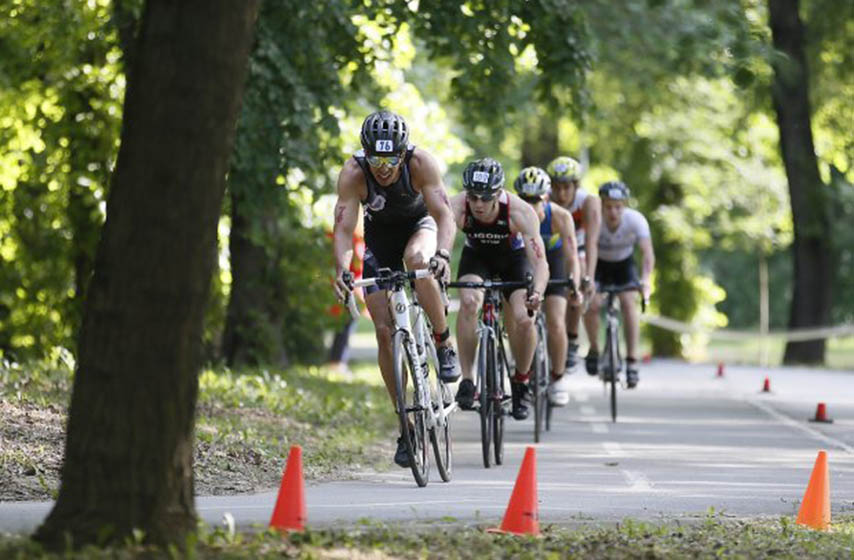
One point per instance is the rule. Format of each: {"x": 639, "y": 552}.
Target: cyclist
{"x": 558, "y": 233}
{"x": 623, "y": 229}
{"x": 586, "y": 211}
{"x": 407, "y": 221}
{"x": 502, "y": 241}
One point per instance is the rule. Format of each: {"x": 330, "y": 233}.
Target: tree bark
{"x": 811, "y": 300}
{"x": 129, "y": 447}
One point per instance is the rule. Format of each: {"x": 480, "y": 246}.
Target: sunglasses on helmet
{"x": 483, "y": 197}
{"x": 379, "y": 161}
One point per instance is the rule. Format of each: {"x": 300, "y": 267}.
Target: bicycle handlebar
{"x": 620, "y": 288}
{"x": 392, "y": 278}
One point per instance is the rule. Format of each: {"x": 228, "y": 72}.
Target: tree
{"x": 812, "y": 247}
{"x": 128, "y": 453}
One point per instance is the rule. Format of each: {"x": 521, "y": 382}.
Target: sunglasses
{"x": 485, "y": 197}
{"x": 379, "y": 161}
{"x": 531, "y": 199}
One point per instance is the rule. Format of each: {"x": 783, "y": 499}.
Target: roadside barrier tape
{"x": 735, "y": 334}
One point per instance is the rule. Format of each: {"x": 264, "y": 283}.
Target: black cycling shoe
{"x": 591, "y": 362}
{"x": 465, "y": 394}
{"x": 449, "y": 370}
{"x": 519, "y": 392}
{"x": 401, "y": 456}
{"x": 631, "y": 377}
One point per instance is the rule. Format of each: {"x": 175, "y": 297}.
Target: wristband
{"x": 443, "y": 254}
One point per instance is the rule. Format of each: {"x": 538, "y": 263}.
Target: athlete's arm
{"x": 425, "y": 174}
{"x": 566, "y": 228}
{"x": 345, "y": 219}
{"x": 592, "y": 208}
{"x": 458, "y": 209}
{"x": 645, "y": 244}
{"x": 523, "y": 219}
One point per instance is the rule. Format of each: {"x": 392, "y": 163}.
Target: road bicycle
{"x": 492, "y": 366}
{"x": 539, "y": 383}
{"x": 425, "y": 411}
{"x": 611, "y": 364}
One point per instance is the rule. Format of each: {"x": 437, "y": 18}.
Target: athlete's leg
{"x": 573, "y": 311}
{"x": 520, "y": 331}
{"x": 555, "y": 312}
{"x": 591, "y": 322}
{"x": 377, "y": 303}
{"x": 631, "y": 323}
{"x": 470, "y": 302}
{"x": 419, "y": 249}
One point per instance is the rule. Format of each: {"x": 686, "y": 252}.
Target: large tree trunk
{"x": 539, "y": 142}
{"x": 129, "y": 448}
{"x": 811, "y": 300}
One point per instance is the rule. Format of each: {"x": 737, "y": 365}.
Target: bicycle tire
{"x": 440, "y": 434}
{"x": 484, "y": 399}
{"x": 536, "y": 382}
{"x": 612, "y": 351}
{"x": 408, "y": 410}
{"x": 497, "y": 401}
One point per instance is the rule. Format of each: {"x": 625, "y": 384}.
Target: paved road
{"x": 684, "y": 442}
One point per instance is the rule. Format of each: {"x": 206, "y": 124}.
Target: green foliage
{"x": 60, "y": 109}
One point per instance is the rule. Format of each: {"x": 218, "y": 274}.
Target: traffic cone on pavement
{"x": 821, "y": 414}
{"x": 815, "y": 507}
{"x": 766, "y": 385}
{"x": 521, "y": 517}
{"x": 289, "y": 513}
{"x": 720, "y": 369}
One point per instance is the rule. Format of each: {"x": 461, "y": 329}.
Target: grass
{"x": 712, "y": 537}
{"x": 246, "y": 422}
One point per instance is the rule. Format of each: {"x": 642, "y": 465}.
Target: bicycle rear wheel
{"x": 497, "y": 370}
{"x": 484, "y": 398}
{"x": 411, "y": 414}
{"x": 440, "y": 434}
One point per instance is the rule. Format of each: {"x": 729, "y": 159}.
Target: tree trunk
{"x": 129, "y": 447}
{"x": 253, "y": 324}
{"x": 811, "y": 300}
{"x": 539, "y": 142}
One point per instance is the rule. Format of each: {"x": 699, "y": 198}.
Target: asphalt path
{"x": 685, "y": 443}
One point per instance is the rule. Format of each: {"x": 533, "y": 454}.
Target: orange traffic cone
{"x": 821, "y": 414}
{"x": 521, "y": 517}
{"x": 815, "y": 507}
{"x": 766, "y": 385}
{"x": 289, "y": 513}
{"x": 720, "y": 369}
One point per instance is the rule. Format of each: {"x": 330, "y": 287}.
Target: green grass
{"x": 712, "y": 537}
{"x": 839, "y": 353}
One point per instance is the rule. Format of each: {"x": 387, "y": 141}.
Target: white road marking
{"x": 637, "y": 482}
{"x": 833, "y": 442}
{"x": 599, "y": 428}
{"x": 587, "y": 409}
{"x": 613, "y": 448}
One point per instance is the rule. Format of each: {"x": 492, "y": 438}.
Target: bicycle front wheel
{"x": 440, "y": 433}
{"x": 411, "y": 413}
{"x": 484, "y": 399}
{"x": 614, "y": 370}
{"x": 497, "y": 373}
{"x": 540, "y": 381}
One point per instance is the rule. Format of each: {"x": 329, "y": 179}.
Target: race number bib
{"x": 480, "y": 177}
{"x": 384, "y": 146}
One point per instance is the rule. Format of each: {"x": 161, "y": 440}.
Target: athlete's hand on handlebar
{"x": 440, "y": 266}
{"x": 645, "y": 290}
{"x": 588, "y": 287}
{"x": 343, "y": 285}
{"x": 533, "y": 301}
{"x": 576, "y": 297}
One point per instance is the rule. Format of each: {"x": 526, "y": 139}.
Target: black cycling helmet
{"x": 483, "y": 176}
{"x": 615, "y": 190}
{"x": 384, "y": 133}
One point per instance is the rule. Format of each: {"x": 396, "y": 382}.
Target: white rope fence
{"x": 736, "y": 334}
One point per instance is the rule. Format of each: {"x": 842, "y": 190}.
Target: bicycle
{"x": 612, "y": 365}
{"x": 492, "y": 364}
{"x": 539, "y": 385}
{"x": 422, "y": 413}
